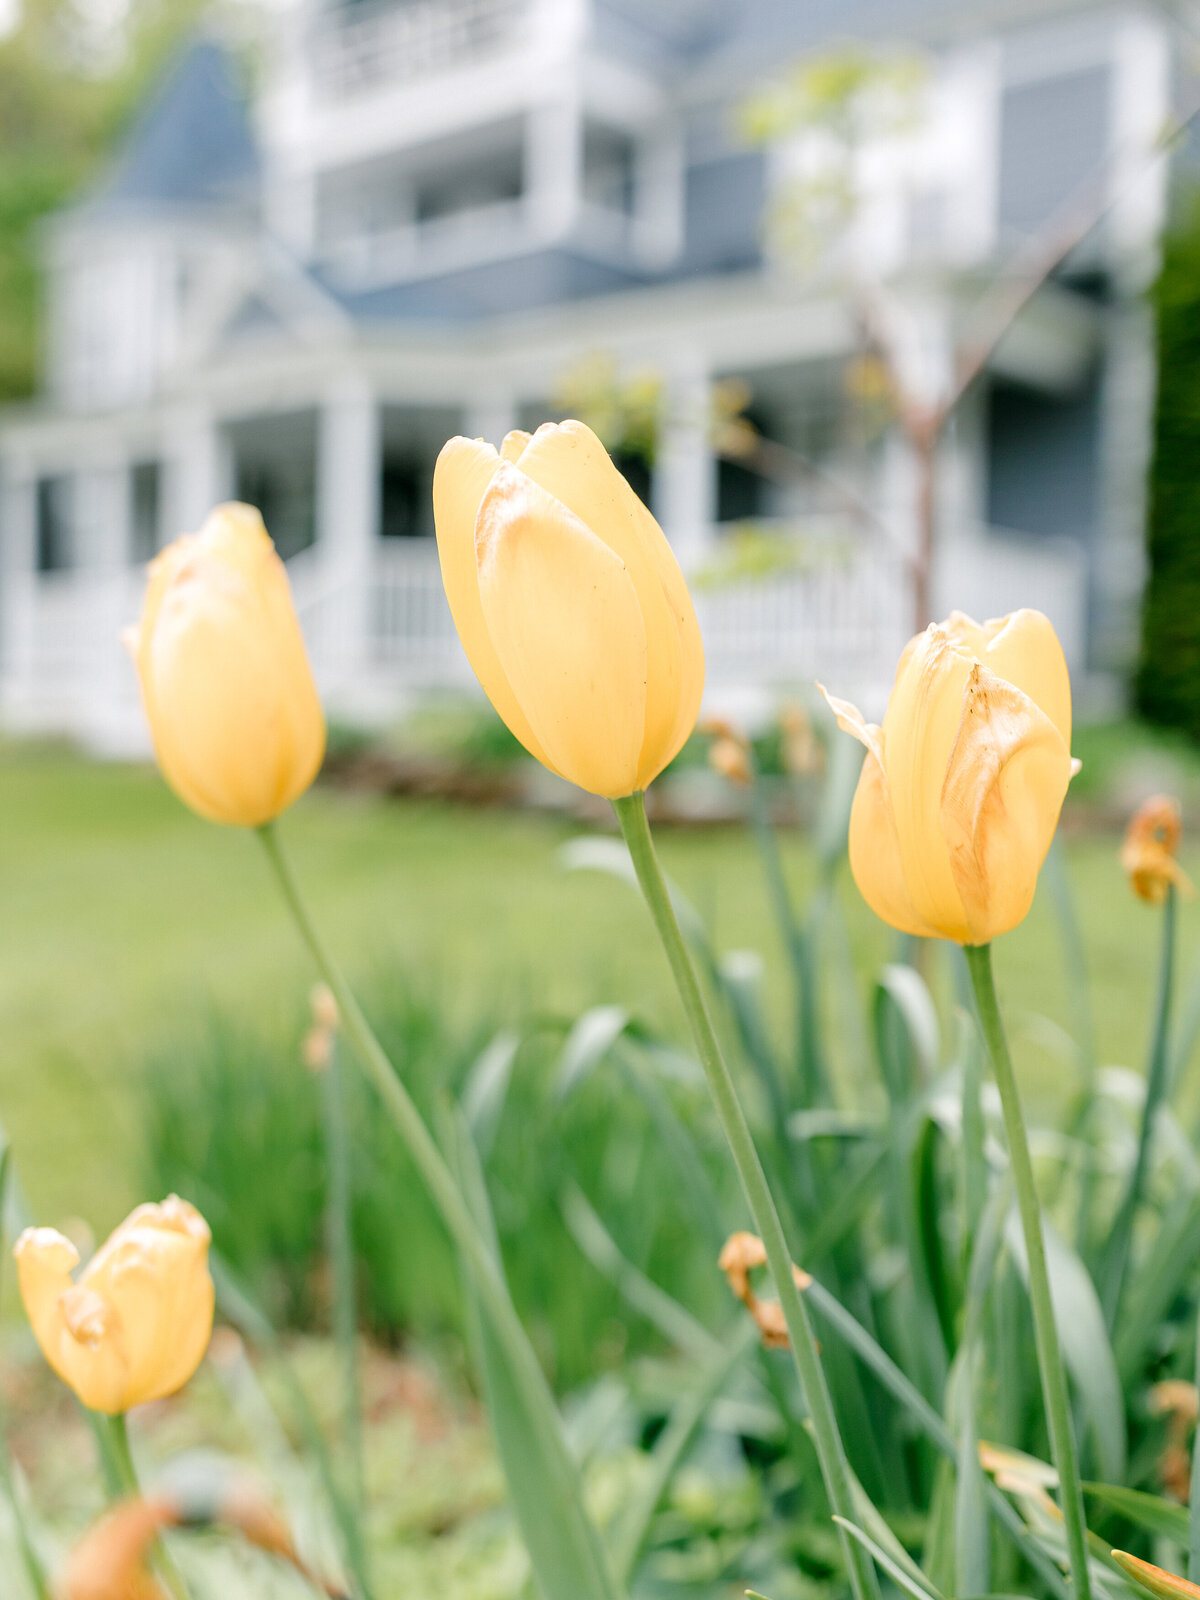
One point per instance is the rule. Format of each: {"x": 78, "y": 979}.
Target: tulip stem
{"x": 631, "y": 814}
{"x": 1055, "y": 1395}
{"x": 444, "y": 1192}
{"x": 122, "y": 1461}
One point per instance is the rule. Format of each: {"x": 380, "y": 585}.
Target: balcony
{"x": 362, "y": 45}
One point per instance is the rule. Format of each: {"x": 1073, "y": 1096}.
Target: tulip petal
{"x": 563, "y": 614}
{"x": 875, "y": 854}
{"x": 569, "y": 462}
{"x": 874, "y": 848}
{"x": 1004, "y": 790}
{"x": 1022, "y": 647}
{"x": 59, "y": 1317}
{"x": 461, "y": 477}
{"x": 921, "y": 730}
{"x": 138, "y": 1320}
{"x": 229, "y": 696}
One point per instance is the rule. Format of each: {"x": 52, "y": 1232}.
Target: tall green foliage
{"x": 66, "y": 93}
{"x": 1168, "y": 681}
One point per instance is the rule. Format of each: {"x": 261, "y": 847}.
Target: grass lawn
{"x": 124, "y": 913}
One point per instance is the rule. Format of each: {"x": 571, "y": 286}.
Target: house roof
{"x": 192, "y": 145}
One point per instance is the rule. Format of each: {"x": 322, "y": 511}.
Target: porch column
{"x": 554, "y": 163}
{"x": 349, "y": 467}
{"x": 684, "y": 490}
{"x": 197, "y": 470}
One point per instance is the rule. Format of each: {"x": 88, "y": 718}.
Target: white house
{"x": 433, "y": 209}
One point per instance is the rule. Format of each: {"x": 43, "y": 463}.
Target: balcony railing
{"x": 363, "y": 44}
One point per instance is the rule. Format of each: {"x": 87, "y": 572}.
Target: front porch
{"x": 342, "y": 467}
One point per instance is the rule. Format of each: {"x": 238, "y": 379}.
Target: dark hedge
{"x": 1168, "y": 679}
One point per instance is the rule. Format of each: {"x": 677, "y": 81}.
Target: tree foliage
{"x": 69, "y": 82}
{"x": 1168, "y": 681}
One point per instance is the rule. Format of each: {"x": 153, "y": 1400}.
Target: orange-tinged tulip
{"x": 962, "y": 785}
{"x": 226, "y": 684}
{"x": 136, "y": 1322}
{"x": 570, "y": 604}
{"x": 1148, "y": 850}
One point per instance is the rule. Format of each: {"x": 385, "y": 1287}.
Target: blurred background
{"x": 886, "y": 307}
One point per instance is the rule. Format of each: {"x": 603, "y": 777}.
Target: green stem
{"x": 1116, "y": 1262}
{"x": 121, "y": 1457}
{"x": 1045, "y": 1330}
{"x": 439, "y": 1182}
{"x": 340, "y": 1244}
{"x": 631, "y": 814}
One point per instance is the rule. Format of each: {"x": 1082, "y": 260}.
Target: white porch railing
{"x": 361, "y": 44}
{"x": 378, "y": 637}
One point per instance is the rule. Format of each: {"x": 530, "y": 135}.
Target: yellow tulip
{"x": 962, "y": 785}
{"x": 226, "y": 683}
{"x": 136, "y": 1322}
{"x": 570, "y": 605}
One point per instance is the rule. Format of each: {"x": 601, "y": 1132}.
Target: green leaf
{"x": 543, "y": 1480}
{"x": 919, "y": 1590}
{"x": 883, "y": 1539}
{"x": 1155, "y": 1580}
{"x": 592, "y": 1036}
{"x": 1163, "y": 1517}
{"x": 486, "y": 1087}
{"x": 901, "y": 996}
{"x": 1084, "y": 1336}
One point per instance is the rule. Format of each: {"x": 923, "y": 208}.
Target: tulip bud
{"x": 229, "y": 695}
{"x": 1148, "y": 850}
{"x": 136, "y": 1322}
{"x": 570, "y": 605}
{"x": 962, "y": 785}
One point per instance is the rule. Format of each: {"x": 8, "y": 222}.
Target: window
{"x": 1054, "y": 140}
{"x": 54, "y": 535}
{"x": 274, "y": 468}
{"x": 145, "y": 497}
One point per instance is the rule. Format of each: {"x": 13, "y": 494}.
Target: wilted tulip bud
{"x": 570, "y": 605}
{"x": 729, "y": 752}
{"x": 136, "y": 1322}
{"x": 226, "y": 684}
{"x": 962, "y": 785}
{"x": 110, "y": 1562}
{"x": 742, "y": 1254}
{"x": 1148, "y": 850}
